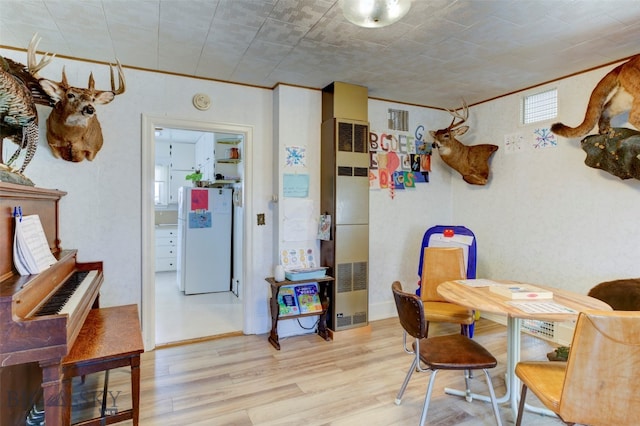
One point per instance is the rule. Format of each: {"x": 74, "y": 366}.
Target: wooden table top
{"x": 482, "y": 299}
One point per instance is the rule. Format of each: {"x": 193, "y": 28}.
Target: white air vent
{"x": 543, "y": 329}
{"x": 398, "y": 120}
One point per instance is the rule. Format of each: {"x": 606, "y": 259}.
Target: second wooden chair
{"x": 442, "y": 264}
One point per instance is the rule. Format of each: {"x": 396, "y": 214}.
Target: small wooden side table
{"x": 109, "y": 338}
{"x": 324, "y": 284}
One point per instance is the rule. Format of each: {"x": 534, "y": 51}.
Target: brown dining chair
{"x": 621, "y": 295}
{"x": 597, "y": 385}
{"x": 442, "y": 264}
{"x": 450, "y": 352}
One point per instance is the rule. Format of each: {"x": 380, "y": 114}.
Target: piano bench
{"x": 109, "y": 338}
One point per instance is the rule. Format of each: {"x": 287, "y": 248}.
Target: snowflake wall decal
{"x": 544, "y": 139}
{"x": 295, "y": 156}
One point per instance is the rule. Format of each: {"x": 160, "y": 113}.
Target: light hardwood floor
{"x": 353, "y": 380}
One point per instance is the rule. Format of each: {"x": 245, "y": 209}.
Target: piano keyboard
{"x": 67, "y": 297}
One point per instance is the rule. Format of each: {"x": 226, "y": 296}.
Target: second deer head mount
{"x": 472, "y": 162}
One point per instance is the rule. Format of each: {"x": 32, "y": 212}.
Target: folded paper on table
{"x": 540, "y": 307}
{"x": 480, "y": 282}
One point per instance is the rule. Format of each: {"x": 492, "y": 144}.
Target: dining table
{"x": 564, "y": 305}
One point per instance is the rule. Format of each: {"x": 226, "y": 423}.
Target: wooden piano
{"x": 38, "y": 323}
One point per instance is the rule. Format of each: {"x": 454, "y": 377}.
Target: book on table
{"x": 287, "y": 301}
{"x": 308, "y": 298}
{"x": 521, "y": 291}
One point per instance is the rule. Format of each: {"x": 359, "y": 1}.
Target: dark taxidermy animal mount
{"x": 19, "y": 94}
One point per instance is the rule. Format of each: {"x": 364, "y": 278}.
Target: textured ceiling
{"x": 441, "y": 51}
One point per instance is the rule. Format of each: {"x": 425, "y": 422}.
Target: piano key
{"x": 71, "y": 305}
{"x": 67, "y": 297}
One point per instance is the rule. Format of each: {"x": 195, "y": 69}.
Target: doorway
{"x": 191, "y": 317}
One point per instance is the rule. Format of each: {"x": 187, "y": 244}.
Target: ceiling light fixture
{"x": 374, "y": 13}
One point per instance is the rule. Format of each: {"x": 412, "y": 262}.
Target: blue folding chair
{"x": 451, "y": 236}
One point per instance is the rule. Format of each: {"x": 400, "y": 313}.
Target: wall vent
{"x": 543, "y": 329}
{"x": 398, "y": 120}
{"x": 360, "y": 318}
{"x": 360, "y": 278}
{"x": 343, "y": 321}
{"x": 343, "y": 278}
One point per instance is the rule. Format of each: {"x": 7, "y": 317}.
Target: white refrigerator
{"x": 204, "y": 239}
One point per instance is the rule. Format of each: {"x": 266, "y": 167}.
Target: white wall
{"x": 396, "y": 226}
{"x": 545, "y": 217}
{"x": 101, "y": 215}
{"x": 297, "y": 118}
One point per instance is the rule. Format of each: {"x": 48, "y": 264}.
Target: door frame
{"x": 149, "y": 123}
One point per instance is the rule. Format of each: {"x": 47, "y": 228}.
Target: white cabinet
{"x": 183, "y": 156}
{"x": 177, "y": 179}
{"x": 163, "y": 153}
{"x": 166, "y": 248}
{"x": 204, "y": 157}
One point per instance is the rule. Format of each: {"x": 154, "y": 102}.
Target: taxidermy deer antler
{"x": 472, "y": 162}
{"x": 73, "y": 130}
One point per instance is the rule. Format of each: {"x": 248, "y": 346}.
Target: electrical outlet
{"x": 261, "y": 219}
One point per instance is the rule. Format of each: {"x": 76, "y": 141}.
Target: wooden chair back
{"x": 440, "y": 264}
{"x": 600, "y": 386}
{"x": 410, "y": 312}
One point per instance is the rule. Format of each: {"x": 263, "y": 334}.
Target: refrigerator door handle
{"x": 237, "y": 197}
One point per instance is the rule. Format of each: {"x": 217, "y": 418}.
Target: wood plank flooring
{"x": 353, "y": 380}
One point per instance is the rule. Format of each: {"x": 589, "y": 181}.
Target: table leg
{"x": 513, "y": 356}
{"x": 275, "y": 314}
{"x": 322, "y": 321}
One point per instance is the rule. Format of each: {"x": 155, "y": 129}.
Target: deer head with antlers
{"x": 472, "y": 162}
{"x": 73, "y": 130}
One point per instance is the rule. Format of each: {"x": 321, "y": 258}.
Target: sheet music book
{"x": 31, "y": 253}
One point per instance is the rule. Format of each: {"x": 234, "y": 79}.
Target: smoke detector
{"x": 201, "y": 101}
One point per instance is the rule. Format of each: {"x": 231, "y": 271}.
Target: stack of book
{"x": 299, "y": 299}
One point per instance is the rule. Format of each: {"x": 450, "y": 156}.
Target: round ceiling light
{"x": 374, "y": 13}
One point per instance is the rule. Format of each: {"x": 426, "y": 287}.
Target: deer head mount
{"x": 73, "y": 130}
{"x": 472, "y": 162}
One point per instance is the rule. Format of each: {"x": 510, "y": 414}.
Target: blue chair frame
{"x": 471, "y": 254}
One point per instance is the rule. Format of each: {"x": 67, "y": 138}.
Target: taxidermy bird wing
{"x": 20, "y": 90}
{"x": 18, "y": 114}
